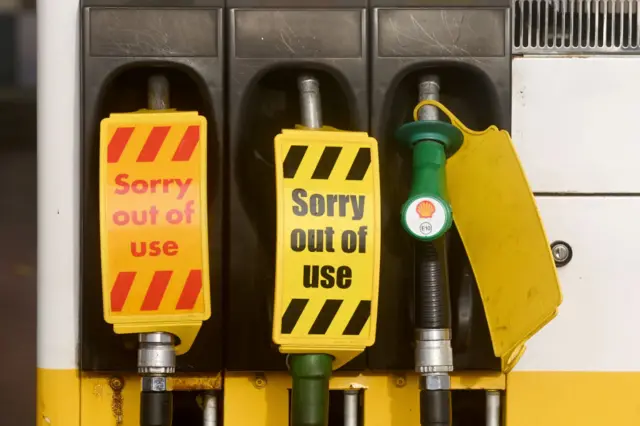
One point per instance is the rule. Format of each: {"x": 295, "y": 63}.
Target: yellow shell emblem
{"x": 425, "y": 209}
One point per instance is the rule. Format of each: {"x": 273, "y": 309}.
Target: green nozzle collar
{"x": 448, "y": 135}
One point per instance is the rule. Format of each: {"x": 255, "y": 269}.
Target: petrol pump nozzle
{"x": 156, "y": 351}
{"x": 426, "y": 216}
{"x": 310, "y": 373}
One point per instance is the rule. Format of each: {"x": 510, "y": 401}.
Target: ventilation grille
{"x": 576, "y": 26}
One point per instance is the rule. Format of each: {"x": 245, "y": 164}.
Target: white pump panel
{"x": 575, "y": 121}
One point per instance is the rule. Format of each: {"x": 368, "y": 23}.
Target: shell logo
{"x": 425, "y": 209}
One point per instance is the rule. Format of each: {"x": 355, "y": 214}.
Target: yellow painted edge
{"x": 192, "y": 383}
{"x": 278, "y": 290}
{"x": 344, "y": 380}
{"x": 390, "y": 399}
{"x": 567, "y": 398}
{"x": 58, "y": 397}
{"x": 101, "y": 405}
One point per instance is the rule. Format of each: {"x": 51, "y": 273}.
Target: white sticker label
{"x": 426, "y": 217}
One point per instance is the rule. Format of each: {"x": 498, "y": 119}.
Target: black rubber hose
{"x": 435, "y": 407}
{"x": 432, "y": 308}
{"x": 156, "y": 408}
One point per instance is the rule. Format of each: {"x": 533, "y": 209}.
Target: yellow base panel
{"x": 573, "y": 398}
{"x": 67, "y": 399}
{"x": 388, "y": 399}
{"x": 58, "y": 398}
{"x": 533, "y": 398}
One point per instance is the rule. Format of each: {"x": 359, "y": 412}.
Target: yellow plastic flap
{"x": 500, "y": 227}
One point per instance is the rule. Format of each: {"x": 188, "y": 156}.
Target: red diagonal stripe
{"x": 120, "y": 290}
{"x": 155, "y": 293}
{"x": 187, "y": 144}
{"x": 118, "y": 143}
{"x": 191, "y": 290}
{"x": 153, "y": 144}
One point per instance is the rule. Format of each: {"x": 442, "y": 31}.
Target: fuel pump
{"x": 152, "y": 180}
{"x": 154, "y": 240}
{"x": 316, "y": 268}
{"x": 327, "y": 258}
{"x": 426, "y": 216}
{"x": 449, "y": 181}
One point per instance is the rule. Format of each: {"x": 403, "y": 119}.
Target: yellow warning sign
{"x": 328, "y": 240}
{"x": 153, "y": 219}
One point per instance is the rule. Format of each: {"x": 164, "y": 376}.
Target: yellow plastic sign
{"x": 153, "y": 221}
{"x": 499, "y": 224}
{"x": 328, "y": 241}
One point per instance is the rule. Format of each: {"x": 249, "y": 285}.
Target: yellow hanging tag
{"x": 499, "y": 224}
{"x": 327, "y": 261}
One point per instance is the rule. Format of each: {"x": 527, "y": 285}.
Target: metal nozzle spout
{"x": 158, "y": 92}
{"x": 429, "y": 89}
{"x": 310, "y": 101}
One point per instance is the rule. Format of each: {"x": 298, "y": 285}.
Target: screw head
{"x": 400, "y": 381}
{"x": 116, "y": 383}
{"x": 260, "y": 381}
{"x": 562, "y": 253}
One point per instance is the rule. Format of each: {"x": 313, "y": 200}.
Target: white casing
{"x": 58, "y": 183}
{"x": 573, "y": 127}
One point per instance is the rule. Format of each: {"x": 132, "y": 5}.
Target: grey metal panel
{"x": 299, "y": 34}
{"x": 576, "y": 27}
{"x": 297, "y": 4}
{"x": 441, "y": 33}
{"x": 439, "y": 3}
{"x": 153, "y": 32}
{"x": 154, "y": 3}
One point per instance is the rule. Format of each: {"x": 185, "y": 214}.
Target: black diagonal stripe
{"x": 360, "y": 164}
{"x": 359, "y": 319}
{"x": 292, "y": 315}
{"x": 292, "y": 160}
{"x": 326, "y": 315}
{"x": 327, "y": 162}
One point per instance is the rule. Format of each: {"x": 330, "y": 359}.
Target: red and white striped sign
{"x": 153, "y": 211}
{"x": 191, "y": 289}
{"x": 153, "y": 144}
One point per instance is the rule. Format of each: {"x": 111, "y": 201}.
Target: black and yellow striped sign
{"x": 328, "y": 240}
{"x": 325, "y": 317}
{"x": 327, "y": 162}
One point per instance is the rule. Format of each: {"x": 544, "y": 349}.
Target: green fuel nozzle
{"x": 310, "y": 374}
{"x": 426, "y": 215}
